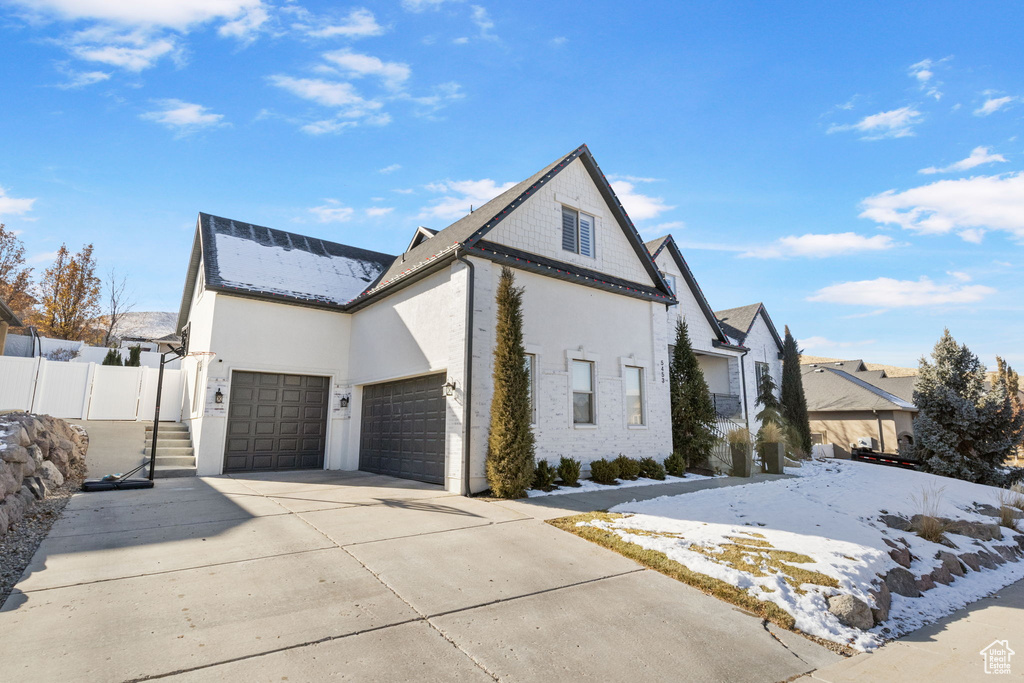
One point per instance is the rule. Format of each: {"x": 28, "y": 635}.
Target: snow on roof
{"x": 271, "y": 262}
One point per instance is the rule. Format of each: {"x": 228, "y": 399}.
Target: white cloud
{"x": 178, "y": 14}
{"x": 404, "y": 190}
{"x": 558, "y": 41}
{"x": 42, "y": 257}
{"x": 340, "y": 95}
{"x": 639, "y": 206}
{"x": 886, "y": 293}
{"x": 460, "y": 195}
{"x": 360, "y": 23}
{"x": 967, "y": 206}
{"x": 977, "y": 157}
{"x": 132, "y": 51}
{"x": 389, "y": 169}
{"x": 184, "y": 117}
{"x": 826, "y": 343}
{"x": 959, "y": 275}
{"x": 897, "y": 123}
{"x": 662, "y": 228}
{"x": 246, "y": 26}
{"x": 377, "y": 211}
{"x": 12, "y": 206}
{"x": 924, "y": 73}
{"x": 994, "y": 104}
{"x": 421, "y": 5}
{"x": 822, "y": 245}
{"x": 80, "y": 79}
{"x": 483, "y": 21}
{"x": 392, "y": 74}
{"x": 332, "y": 211}
{"x": 612, "y": 177}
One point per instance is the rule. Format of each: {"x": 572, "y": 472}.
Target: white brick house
{"x": 325, "y": 355}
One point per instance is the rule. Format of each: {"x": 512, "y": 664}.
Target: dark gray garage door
{"x": 403, "y": 429}
{"x": 276, "y": 422}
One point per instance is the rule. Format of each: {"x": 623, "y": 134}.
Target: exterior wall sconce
{"x": 449, "y": 387}
{"x": 218, "y": 397}
{"x": 344, "y": 401}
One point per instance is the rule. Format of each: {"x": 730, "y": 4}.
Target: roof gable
{"x": 737, "y": 322}
{"x": 470, "y": 230}
{"x": 667, "y": 245}
{"x": 830, "y": 389}
{"x": 421, "y": 235}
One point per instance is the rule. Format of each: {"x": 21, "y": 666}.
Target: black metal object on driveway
{"x": 883, "y": 459}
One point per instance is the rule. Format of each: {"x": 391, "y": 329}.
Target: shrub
{"x": 1015, "y": 497}
{"x": 569, "y": 471}
{"x": 113, "y": 357}
{"x": 930, "y": 526}
{"x": 1009, "y": 503}
{"x": 738, "y": 436}
{"x": 604, "y": 471}
{"x": 134, "y": 357}
{"x": 629, "y": 468}
{"x": 651, "y": 469}
{"x": 544, "y": 476}
{"x": 675, "y": 465}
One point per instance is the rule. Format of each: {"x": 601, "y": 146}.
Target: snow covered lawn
{"x": 793, "y": 544}
{"x": 588, "y": 486}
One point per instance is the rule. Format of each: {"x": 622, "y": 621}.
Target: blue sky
{"x": 858, "y": 168}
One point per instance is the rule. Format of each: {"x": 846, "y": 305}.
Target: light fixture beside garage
{"x": 343, "y": 402}
{"x": 449, "y": 387}
{"x": 218, "y": 397}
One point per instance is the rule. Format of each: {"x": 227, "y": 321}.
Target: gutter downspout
{"x": 467, "y": 392}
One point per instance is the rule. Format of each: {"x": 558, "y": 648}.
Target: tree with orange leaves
{"x": 69, "y": 294}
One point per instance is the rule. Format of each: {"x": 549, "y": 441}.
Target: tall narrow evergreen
{"x": 510, "y": 445}
{"x": 794, "y": 403}
{"x": 770, "y": 411}
{"x": 693, "y": 413}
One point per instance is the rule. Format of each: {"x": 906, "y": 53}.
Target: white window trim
{"x": 593, "y": 231}
{"x": 579, "y": 205}
{"x": 593, "y": 358}
{"x": 645, "y": 389}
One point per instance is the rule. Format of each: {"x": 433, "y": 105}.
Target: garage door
{"x": 276, "y": 422}
{"x": 403, "y": 429}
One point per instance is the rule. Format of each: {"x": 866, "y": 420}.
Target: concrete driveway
{"x": 352, "y": 576}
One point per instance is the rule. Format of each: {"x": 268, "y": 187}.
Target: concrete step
{"x": 169, "y": 443}
{"x": 176, "y": 460}
{"x": 169, "y": 434}
{"x": 168, "y": 471}
{"x": 178, "y": 450}
{"x": 169, "y": 427}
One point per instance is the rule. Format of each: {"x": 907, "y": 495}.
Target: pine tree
{"x": 1012, "y": 380}
{"x": 113, "y": 357}
{"x": 134, "y": 357}
{"x": 70, "y": 294}
{"x": 771, "y": 410}
{"x": 693, "y": 413}
{"x": 510, "y": 447}
{"x": 794, "y": 403}
{"x": 962, "y": 430}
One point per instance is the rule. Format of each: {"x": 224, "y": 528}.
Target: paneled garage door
{"x": 276, "y": 422}
{"x": 403, "y": 427}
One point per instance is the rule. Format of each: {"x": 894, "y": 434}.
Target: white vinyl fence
{"x": 87, "y": 391}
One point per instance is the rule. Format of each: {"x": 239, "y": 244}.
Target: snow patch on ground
{"x": 588, "y": 486}
{"x": 829, "y": 513}
{"x": 292, "y": 272}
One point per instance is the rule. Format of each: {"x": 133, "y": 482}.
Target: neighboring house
{"x": 7, "y": 321}
{"x": 327, "y": 355}
{"x": 163, "y": 344}
{"x": 846, "y": 401}
{"x": 752, "y": 330}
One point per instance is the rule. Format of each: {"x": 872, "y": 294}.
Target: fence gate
{"x": 115, "y": 393}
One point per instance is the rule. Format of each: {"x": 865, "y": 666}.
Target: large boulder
{"x": 901, "y": 556}
{"x": 12, "y": 452}
{"x": 4, "y": 521}
{"x": 895, "y": 522}
{"x": 1007, "y": 553}
{"x": 925, "y": 583}
{"x": 978, "y": 530}
{"x": 14, "y": 506}
{"x": 49, "y": 473}
{"x": 851, "y": 611}
{"x": 951, "y": 563}
{"x": 972, "y": 561}
{"x": 9, "y": 481}
{"x": 941, "y": 574}
{"x": 883, "y": 600}
{"x": 902, "y": 582}
{"x": 61, "y": 457}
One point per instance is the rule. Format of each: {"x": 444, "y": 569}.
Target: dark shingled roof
{"x": 737, "y": 322}
{"x": 831, "y": 389}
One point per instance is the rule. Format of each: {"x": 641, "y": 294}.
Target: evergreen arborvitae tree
{"x": 770, "y": 411}
{"x": 693, "y": 413}
{"x": 794, "y": 403}
{"x": 1012, "y": 381}
{"x": 962, "y": 430}
{"x": 134, "y": 356}
{"x": 510, "y": 445}
{"x": 112, "y": 358}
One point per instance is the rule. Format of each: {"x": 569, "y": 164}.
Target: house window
{"x": 670, "y": 280}
{"x": 530, "y": 362}
{"x": 577, "y": 232}
{"x": 760, "y": 370}
{"x": 582, "y": 392}
{"x": 635, "y": 397}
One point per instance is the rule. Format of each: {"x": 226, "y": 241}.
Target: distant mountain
{"x": 147, "y": 324}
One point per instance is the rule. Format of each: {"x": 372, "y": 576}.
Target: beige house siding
{"x": 843, "y": 428}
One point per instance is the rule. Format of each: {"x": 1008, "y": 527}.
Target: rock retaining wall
{"x": 37, "y": 453}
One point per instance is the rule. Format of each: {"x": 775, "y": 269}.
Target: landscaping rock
{"x": 1007, "y": 552}
{"x": 28, "y": 468}
{"x": 51, "y": 475}
{"x": 36, "y": 454}
{"x": 851, "y": 611}
{"x": 14, "y": 453}
{"x": 883, "y": 600}
{"x": 36, "y": 486}
{"x": 972, "y": 561}
{"x": 895, "y": 522}
{"x": 902, "y": 582}
{"x": 925, "y": 583}
{"x": 978, "y": 530}
{"x": 993, "y": 511}
{"x": 4, "y": 521}
{"x": 942, "y": 575}
{"x": 901, "y": 556}
{"x": 994, "y": 558}
{"x": 9, "y": 483}
{"x": 951, "y": 563}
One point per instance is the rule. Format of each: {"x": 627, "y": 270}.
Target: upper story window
{"x": 670, "y": 280}
{"x": 582, "y": 392}
{"x": 577, "y": 232}
{"x": 760, "y": 370}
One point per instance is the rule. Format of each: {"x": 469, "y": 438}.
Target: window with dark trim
{"x": 760, "y": 370}
{"x": 582, "y": 392}
{"x": 577, "y": 232}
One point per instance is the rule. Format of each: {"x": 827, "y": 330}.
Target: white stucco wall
{"x": 560, "y": 318}
{"x": 536, "y": 226}
{"x": 701, "y": 333}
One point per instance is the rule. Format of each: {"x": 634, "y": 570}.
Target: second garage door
{"x": 276, "y": 422}
{"x": 403, "y": 426}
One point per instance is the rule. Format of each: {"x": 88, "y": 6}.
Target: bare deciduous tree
{"x": 118, "y": 304}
